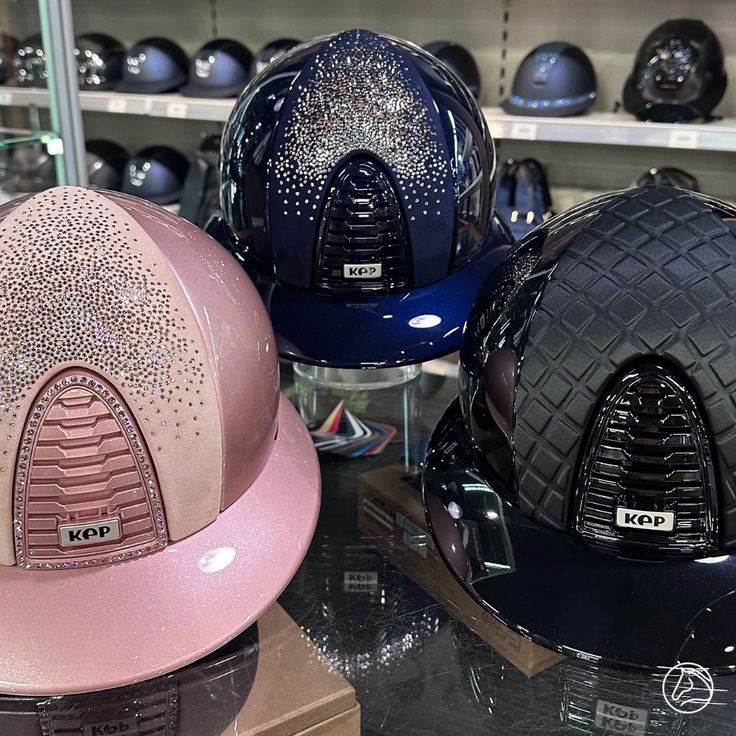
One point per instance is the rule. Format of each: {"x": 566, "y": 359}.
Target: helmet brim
{"x": 566, "y": 111}
{"x": 552, "y": 589}
{"x": 380, "y": 331}
{"x": 211, "y": 92}
{"x": 151, "y": 88}
{"x": 74, "y": 631}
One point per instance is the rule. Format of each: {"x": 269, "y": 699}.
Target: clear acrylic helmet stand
{"x": 383, "y": 396}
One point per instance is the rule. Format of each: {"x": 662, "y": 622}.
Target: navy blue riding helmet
{"x": 154, "y": 65}
{"x": 357, "y": 188}
{"x": 583, "y": 487}
{"x": 221, "y": 68}
{"x": 554, "y": 80}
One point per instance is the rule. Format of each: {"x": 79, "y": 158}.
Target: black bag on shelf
{"x": 523, "y": 195}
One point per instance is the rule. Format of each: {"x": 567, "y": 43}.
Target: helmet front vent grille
{"x": 646, "y": 478}
{"x": 363, "y": 246}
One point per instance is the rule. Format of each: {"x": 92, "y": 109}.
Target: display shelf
{"x": 605, "y": 128}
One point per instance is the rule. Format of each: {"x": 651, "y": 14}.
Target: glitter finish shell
{"x": 360, "y": 101}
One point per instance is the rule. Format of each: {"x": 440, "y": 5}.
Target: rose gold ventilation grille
{"x": 83, "y": 465}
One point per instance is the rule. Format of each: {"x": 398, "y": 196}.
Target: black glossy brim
{"x": 210, "y": 92}
{"x": 550, "y": 588}
{"x": 547, "y": 112}
{"x": 375, "y": 330}
{"x": 150, "y": 88}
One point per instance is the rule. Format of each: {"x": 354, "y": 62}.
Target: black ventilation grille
{"x": 648, "y": 453}
{"x": 363, "y": 245}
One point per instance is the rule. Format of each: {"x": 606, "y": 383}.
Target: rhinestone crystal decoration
{"x": 359, "y": 96}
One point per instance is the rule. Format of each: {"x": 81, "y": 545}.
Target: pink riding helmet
{"x": 157, "y": 493}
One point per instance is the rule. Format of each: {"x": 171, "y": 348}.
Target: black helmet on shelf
{"x": 29, "y": 63}
{"x": 357, "y": 188}
{"x": 669, "y": 175}
{"x": 200, "y": 196}
{"x": 154, "y": 65}
{"x": 595, "y": 434}
{"x": 27, "y": 170}
{"x": 678, "y": 74}
{"x": 99, "y": 61}
{"x": 157, "y": 174}
{"x": 556, "y": 79}
{"x": 271, "y": 52}
{"x": 221, "y": 68}
{"x": 105, "y": 164}
{"x": 459, "y": 60}
{"x": 8, "y": 48}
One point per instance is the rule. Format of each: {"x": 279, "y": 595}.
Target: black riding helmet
{"x": 555, "y": 79}
{"x": 105, "y": 164}
{"x": 678, "y": 74}
{"x": 8, "y": 48}
{"x": 157, "y": 174}
{"x": 99, "y": 61}
{"x": 459, "y": 60}
{"x": 221, "y": 68}
{"x": 271, "y": 52}
{"x": 29, "y": 63}
{"x": 594, "y": 434}
{"x": 154, "y": 65}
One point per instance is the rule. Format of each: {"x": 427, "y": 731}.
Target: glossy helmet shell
{"x": 105, "y": 164}
{"x": 271, "y": 52}
{"x": 99, "y": 61}
{"x": 555, "y": 79}
{"x": 221, "y": 68}
{"x": 459, "y": 60}
{"x": 157, "y": 174}
{"x": 678, "y": 75}
{"x": 29, "y": 63}
{"x": 595, "y": 421}
{"x": 154, "y": 65}
{"x": 357, "y": 175}
{"x": 143, "y": 480}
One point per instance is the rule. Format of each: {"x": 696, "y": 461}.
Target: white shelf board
{"x": 607, "y": 128}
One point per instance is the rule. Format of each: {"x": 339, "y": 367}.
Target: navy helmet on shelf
{"x": 271, "y": 52}
{"x": 105, "y": 164}
{"x": 154, "y": 65}
{"x": 221, "y": 68}
{"x": 555, "y": 79}
{"x": 357, "y": 187}
{"x": 156, "y": 173}
{"x": 99, "y": 61}
{"x": 594, "y": 434}
{"x": 678, "y": 75}
{"x": 459, "y": 60}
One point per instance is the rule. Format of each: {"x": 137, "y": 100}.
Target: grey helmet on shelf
{"x": 157, "y": 174}
{"x": 105, "y": 164}
{"x": 271, "y": 52}
{"x": 99, "y": 61}
{"x": 27, "y": 170}
{"x": 556, "y": 79}
{"x": 678, "y": 75}
{"x": 221, "y": 68}
{"x": 154, "y": 65}
{"x": 459, "y": 60}
{"x": 670, "y": 175}
{"x": 8, "y": 48}
{"x": 29, "y": 63}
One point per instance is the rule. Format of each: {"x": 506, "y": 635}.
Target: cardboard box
{"x": 295, "y": 692}
{"x": 391, "y": 515}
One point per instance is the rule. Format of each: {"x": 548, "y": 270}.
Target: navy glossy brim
{"x": 210, "y": 92}
{"x": 566, "y": 596}
{"x": 150, "y": 88}
{"x": 547, "y": 112}
{"x": 385, "y": 330}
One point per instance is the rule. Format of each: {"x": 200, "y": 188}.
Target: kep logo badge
{"x": 617, "y": 718}
{"x": 361, "y": 270}
{"x": 120, "y": 727}
{"x": 76, "y": 535}
{"x": 653, "y": 521}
